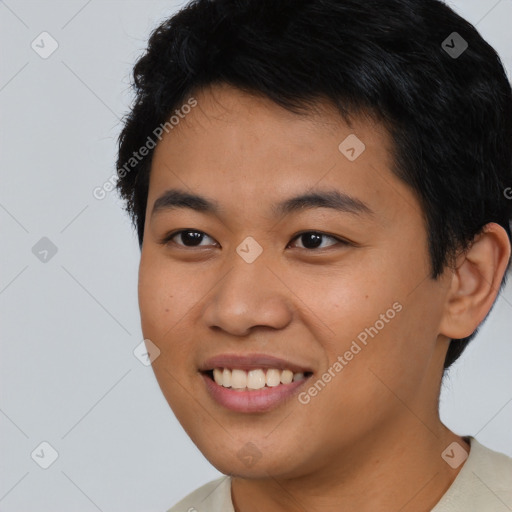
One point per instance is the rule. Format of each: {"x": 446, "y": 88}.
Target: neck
{"x": 401, "y": 469}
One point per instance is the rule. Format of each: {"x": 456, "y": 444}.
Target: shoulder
{"x": 214, "y": 496}
{"x": 493, "y": 466}
{"x": 483, "y": 483}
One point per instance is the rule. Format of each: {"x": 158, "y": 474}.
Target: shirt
{"x": 484, "y": 484}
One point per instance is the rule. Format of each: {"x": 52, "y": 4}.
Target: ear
{"x": 475, "y": 282}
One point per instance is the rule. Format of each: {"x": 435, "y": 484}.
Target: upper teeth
{"x": 254, "y": 379}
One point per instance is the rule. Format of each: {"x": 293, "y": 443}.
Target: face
{"x": 269, "y": 249}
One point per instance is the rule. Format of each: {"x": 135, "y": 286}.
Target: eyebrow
{"x": 174, "y": 199}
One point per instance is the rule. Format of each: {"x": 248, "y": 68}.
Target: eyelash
{"x": 168, "y": 239}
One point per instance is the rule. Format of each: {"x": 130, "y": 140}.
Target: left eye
{"x": 313, "y": 239}
{"x": 310, "y": 239}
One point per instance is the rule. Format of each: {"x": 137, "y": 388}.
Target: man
{"x": 319, "y": 189}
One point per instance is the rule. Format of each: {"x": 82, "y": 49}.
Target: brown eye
{"x": 186, "y": 238}
{"x": 313, "y": 240}
{"x": 310, "y": 240}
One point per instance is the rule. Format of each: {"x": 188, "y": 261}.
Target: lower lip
{"x": 258, "y": 400}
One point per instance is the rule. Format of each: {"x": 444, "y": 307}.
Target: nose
{"x": 249, "y": 296}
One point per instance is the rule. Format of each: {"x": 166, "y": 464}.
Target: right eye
{"x": 189, "y": 238}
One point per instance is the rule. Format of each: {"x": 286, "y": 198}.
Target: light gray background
{"x": 70, "y": 325}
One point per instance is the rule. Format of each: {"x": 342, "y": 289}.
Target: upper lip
{"x": 251, "y": 362}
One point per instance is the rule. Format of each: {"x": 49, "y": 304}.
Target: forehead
{"x": 245, "y": 148}
{"x": 235, "y": 112}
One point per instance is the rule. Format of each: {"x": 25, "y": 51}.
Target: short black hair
{"x": 447, "y": 108}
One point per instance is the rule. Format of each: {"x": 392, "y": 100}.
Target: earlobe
{"x": 475, "y": 282}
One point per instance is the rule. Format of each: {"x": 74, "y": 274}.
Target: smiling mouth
{"x": 254, "y": 379}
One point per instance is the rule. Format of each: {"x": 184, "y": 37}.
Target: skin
{"x": 372, "y": 438}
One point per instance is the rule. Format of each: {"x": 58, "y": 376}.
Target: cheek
{"x": 166, "y": 296}
{"x": 347, "y": 305}
{"x": 373, "y": 321}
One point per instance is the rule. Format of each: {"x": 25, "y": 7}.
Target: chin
{"x": 251, "y": 463}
